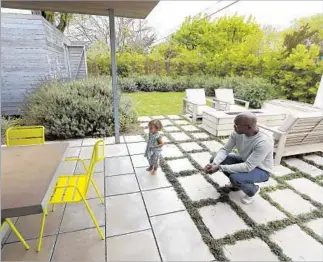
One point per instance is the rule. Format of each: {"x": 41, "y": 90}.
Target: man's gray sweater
{"x": 255, "y": 151}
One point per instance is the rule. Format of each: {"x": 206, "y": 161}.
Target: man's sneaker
{"x": 247, "y": 200}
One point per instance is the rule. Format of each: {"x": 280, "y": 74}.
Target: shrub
{"x": 77, "y": 109}
{"x": 254, "y": 90}
{"x": 7, "y": 122}
{"x": 127, "y": 84}
{"x": 154, "y": 83}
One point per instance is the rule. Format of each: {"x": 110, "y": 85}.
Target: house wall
{"x": 24, "y": 59}
{"x": 32, "y": 50}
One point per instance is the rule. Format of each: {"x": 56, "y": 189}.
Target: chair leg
{"x": 277, "y": 159}
{"x": 194, "y": 115}
{"x": 41, "y": 233}
{"x": 93, "y": 218}
{"x": 53, "y": 208}
{"x": 97, "y": 191}
{"x": 15, "y": 230}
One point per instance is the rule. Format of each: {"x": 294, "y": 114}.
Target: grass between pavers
{"x": 310, "y": 161}
{"x": 300, "y": 174}
{"x": 261, "y": 231}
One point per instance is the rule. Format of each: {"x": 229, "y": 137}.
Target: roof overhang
{"x": 131, "y": 9}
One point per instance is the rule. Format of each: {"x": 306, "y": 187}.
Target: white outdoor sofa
{"x": 298, "y": 134}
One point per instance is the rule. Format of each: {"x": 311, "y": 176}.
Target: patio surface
{"x": 181, "y": 214}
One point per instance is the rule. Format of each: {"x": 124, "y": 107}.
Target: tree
{"x": 315, "y": 23}
{"x": 192, "y": 32}
{"x": 301, "y": 73}
{"x": 215, "y": 36}
{"x": 131, "y": 33}
{"x": 60, "y": 20}
{"x": 298, "y": 37}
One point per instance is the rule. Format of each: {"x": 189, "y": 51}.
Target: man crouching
{"x": 254, "y": 162}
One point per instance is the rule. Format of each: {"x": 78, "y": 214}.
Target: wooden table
{"x": 28, "y": 174}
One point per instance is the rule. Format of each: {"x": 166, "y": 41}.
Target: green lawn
{"x": 156, "y": 103}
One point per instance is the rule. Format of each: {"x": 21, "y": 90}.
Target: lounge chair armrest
{"x": 221, "y": 102}
{"x": 72, "y": 159}
{"x": 240, "y": 100}
{"x": 211, "y": 101}
{"x": 246, "y": 103}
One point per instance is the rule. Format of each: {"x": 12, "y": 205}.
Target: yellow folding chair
{"x": 22, "y": 136}
{"x": 15, "y": 230}
{"x": 72, "y": 159}
{"x": 25, "y": 135}
{"x": 74, "y": 188}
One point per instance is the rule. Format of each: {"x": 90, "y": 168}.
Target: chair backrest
{"x": 303, "y": 129}
{"x": 25, "y": 135}
{"x": 225, "y": 95}
{"x": 196, "y": 96}
{"x": 97, "y": 156}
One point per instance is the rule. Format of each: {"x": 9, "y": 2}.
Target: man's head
{"x": 245, "y": 123}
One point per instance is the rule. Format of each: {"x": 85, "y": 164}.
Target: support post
{"x": 319, "y": 96}
{"x": 114, "y": 75}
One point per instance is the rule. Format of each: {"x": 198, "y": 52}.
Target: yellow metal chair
{"x": 22, "y": 136}
{"x": 74, "y": 188}
{"x": 25, "y": 135}
{"x": 15, "y": 230}
{"x": 71, "y": 159}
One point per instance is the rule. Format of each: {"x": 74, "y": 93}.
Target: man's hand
{"x": 211, "y": 168}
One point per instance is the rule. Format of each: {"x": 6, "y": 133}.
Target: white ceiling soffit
{"x": 131, "y": 9}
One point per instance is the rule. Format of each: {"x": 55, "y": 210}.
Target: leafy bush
{"x": 127, "y": 84}
{"x": 154, "y": 83}
{"x": 77, "y": 109}
{"x": 254, "y": 90}
{"x": 5, "y": 124}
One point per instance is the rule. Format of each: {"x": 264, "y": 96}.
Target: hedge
{"x": 254, "y": 90}
{"x": 77, "y": 109}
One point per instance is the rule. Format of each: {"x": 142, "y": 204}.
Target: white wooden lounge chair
{"x": 298, "y": 135}
{"x": 195, "y": 103}
{"x": 225, "y": 101}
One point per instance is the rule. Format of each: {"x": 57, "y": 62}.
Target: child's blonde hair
{"x": 156, "y": 123}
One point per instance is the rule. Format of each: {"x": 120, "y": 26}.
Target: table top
{"x": 28, "y": 174}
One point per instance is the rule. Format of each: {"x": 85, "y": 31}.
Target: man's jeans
{"x": 245, "y": 181}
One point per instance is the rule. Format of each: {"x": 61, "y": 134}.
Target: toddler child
{"x": 154, "y": 145}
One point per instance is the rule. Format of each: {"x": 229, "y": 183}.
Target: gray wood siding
{"x": 57, "y": 60}
{"x": 24, "y": 58}
{"x": 77, "y": 60}
{"x": 32, "y": 51}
